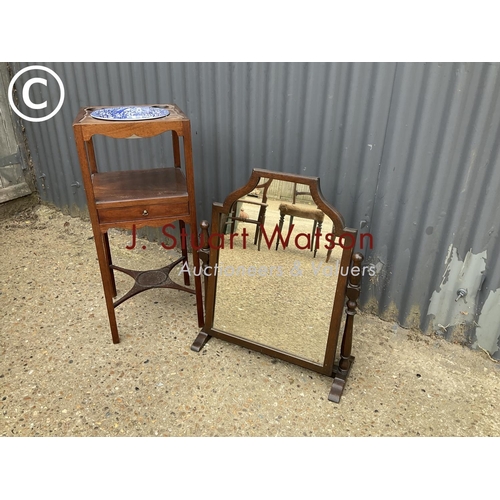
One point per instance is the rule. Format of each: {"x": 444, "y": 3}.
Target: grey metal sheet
{"x": 409, "y": 151}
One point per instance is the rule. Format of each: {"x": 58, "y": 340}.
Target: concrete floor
{"x": 60, "y": 374}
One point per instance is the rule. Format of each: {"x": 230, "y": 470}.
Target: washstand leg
{"x": 108, "y": 282}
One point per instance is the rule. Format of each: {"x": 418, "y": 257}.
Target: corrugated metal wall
{"x": 407, "y": 151}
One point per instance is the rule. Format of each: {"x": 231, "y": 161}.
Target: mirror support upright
{"x": 346, "y": 360}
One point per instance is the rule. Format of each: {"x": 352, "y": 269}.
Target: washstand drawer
{"x": 142, "y": 212}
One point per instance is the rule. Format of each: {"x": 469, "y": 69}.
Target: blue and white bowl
{"x": 125, "y": 113}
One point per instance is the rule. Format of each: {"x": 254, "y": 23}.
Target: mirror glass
{"x": 271, "y": 295}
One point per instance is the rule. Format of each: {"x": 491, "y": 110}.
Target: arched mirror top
{"x": 262, "y": 179}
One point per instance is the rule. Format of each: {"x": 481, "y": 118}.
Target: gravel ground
{"x": 60, "y": 374}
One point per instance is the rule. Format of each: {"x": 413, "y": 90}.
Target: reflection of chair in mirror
{"x": 330, "y": 250}
{"x": 237, "y": 212}
{"x": 304, "y": 212}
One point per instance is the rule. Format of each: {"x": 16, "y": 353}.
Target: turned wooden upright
{"x": 153, "y": 197}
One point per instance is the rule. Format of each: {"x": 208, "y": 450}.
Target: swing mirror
{"x": 279, "y": 261}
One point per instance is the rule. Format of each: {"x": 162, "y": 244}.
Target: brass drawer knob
{"x": 145, "y": 212}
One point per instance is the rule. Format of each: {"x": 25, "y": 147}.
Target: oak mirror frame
{"x": 280, "y": 272}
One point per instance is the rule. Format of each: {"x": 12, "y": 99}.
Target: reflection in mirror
{"x": 262, "y": 289}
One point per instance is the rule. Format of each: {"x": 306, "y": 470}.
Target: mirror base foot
{"x": 200, "y": 341}
{"x": 339, "y": 382}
